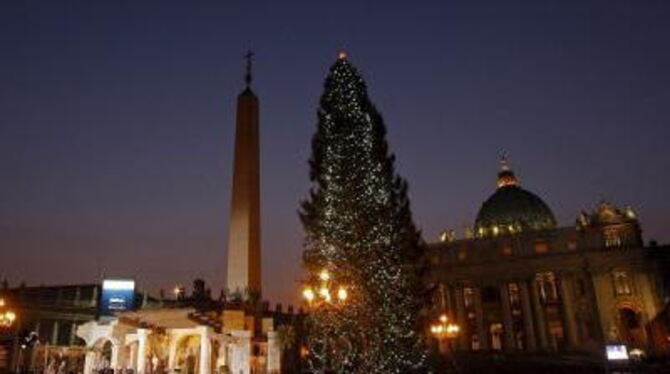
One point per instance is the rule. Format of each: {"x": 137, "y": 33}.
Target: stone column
{"x": 565, "y": 288}
{"x": 54, "y": 334}
{"x": 529, "y": 331}
{"x": 89, "y": 361}
{"x": 114, "y": 360}
{"x": 172, "y": 352}
{"x": 508, "y": 323}
{"x": 73, "y": 333}
{"x": 538, "y": 310}
{"x": 274, "y": 353}
{"x": 461, "y": 319}
{"x": 94, "y": 296}
{"x": 142, "y": 350}
{"x": 205, "y": 351}
{"x": 598, "y": 315}
{"x": 483, "y": 330}
{"x": 132, "y": 360}
{"x": 448, "y": 299}
{"x": 241, "y": 352}
{"x": 36, "y": 328}
{"x": 118, "y": 360}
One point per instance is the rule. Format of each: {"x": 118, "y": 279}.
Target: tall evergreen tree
{"x": 359, "y": 225}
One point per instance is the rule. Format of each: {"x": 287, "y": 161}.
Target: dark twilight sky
{"x": 117, "y": 120}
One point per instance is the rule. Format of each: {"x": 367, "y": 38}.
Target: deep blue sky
{"x": 116, "y": 120}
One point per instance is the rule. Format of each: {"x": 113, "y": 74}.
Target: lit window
{"x": 622, "y": 284}
{"x": 612, "y": 239}
{"x": 462, "y": 254}
{"x": 496, "y": 331}
{"x": 475, "y": 342}
{"x": 468, "y": 297}
{"x": 546, "y": 284}
{"x": 513, "y": 291}
{"x": 541, "y": 247}
{"x": 581, "y": 287}
{"x": 506, "y": 251}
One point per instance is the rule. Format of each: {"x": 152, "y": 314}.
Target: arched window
{"x": 612, "y": 239}
{"x": 496, "y": 330}
{"x": 541, "y": 247}
{"x": 546, "y": 283}
{"x": 629, "y": 318}
{"x": 622, "y": 283}
{"x": 490, "y": 294}
{"x": 468, "y": 297}
{"x": 474, "y": 342}
{"x": 513, "y": 291}
{"x": 506, "y": 251}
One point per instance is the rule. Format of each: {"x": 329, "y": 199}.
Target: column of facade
{"x": 54, "y": 334}
{"x": 132, "y": 360}
{"x": 448, "y": 299}
{"x": 118, "y": 360}
{"x": 527, "y": 313}
{"x": 596, "y": 317}
{"x": 172, "y": 352}
{"x": 538, "y": 312}
{"x": 274, "y": 353}
{"x": 16, "y": 347}
{"x": 205, "y": 351}
{"x": 73, "y": 333}
{"x": 566, "y": 290}
{"x": 77, "y": 295}
{"x": 240, "y": 362}
{"x": 89, "y": 361}
{"x": 460, "y": 318}
{"x": 508, "y": 323}
{"x": 483, "y": 331}
{"x": 94, "y": 297}
{"x": 114, "y": 359}
{"x": 142, "y": 335}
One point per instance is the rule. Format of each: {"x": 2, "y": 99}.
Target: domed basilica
{"x": 518, "y": 282}
{"x": 512, "y": 209}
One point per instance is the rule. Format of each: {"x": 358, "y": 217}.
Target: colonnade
{"x": 533, "y": 314}
{"x": 131, "y": 350}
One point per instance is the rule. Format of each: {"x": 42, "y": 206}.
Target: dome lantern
{"x": 506, "y": 176}
{"x": 512, "y": 209}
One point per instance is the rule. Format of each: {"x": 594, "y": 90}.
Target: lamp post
{"x": 178, "y": 292}
{"x": 7, "y": 317}
{"x": 324, "y": 293}
{"x": 445, "y": 332}
{"x": 320, "y": 293}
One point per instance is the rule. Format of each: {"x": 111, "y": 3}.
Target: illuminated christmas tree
{"x": 359, "y": 227}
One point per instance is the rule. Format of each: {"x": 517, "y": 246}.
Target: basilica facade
{"x": 518, "y": 282}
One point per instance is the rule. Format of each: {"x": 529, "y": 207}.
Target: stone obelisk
{"x": 244, "y": 237}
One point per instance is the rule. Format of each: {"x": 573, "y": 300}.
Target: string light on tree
{"x": 358, "y": 221}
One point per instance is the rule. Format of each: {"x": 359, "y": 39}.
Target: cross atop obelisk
{"x": 249, "y": 57}
{"x": 244, "y": 247}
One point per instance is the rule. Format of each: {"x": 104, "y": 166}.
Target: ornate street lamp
{"x": 7, "y": 317}
{"x": 324, "y": 292}
{"x": 443, "y": 330}
{"x": 178, "y": 292}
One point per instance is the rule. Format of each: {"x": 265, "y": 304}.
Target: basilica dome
{"x": 512, "y": 209}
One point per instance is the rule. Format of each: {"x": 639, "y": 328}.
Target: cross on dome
{"x": 506, "y": 176}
